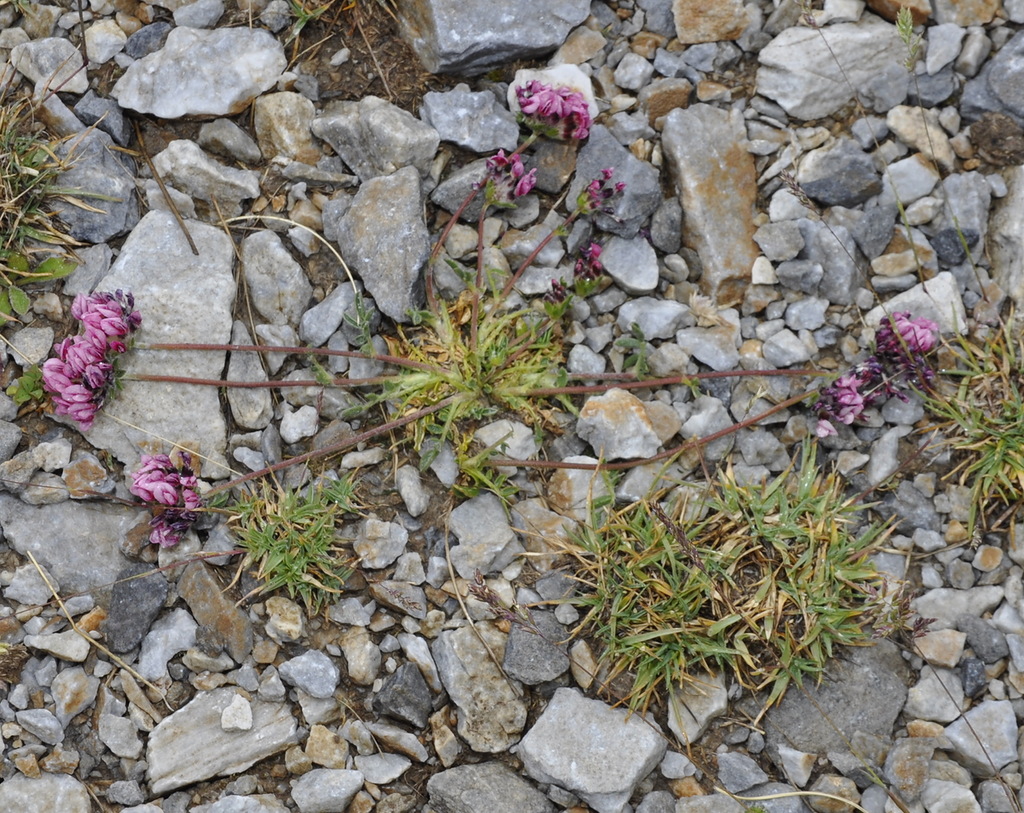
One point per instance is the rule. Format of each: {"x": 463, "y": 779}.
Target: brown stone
{"x": 647, "y": 43}
{"x": 662, "y": 96}
{"x": 966, "y": 12}
{"x": 919, "y": 9}
{"x": 211, "y": 608}
{"x": 709, "y": 20}
{"x": 84, "y": 476}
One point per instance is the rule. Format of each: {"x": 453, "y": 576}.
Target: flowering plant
{"x": 555, "y": 112}
{"x": 84, "y": 371}
{"x": 898, "y": 361}
{"x": 174, "y": 490}
{"x": 507, "y": 179}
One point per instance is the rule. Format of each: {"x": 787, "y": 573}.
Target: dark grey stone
{"x": 667, "y": 226}
{"x": 973, "y": 677}
{"x": 136, "y": 601}
{"x": 737, "y": 772}
{"x": 840, "y": 175}
{"x": 405, "y": 696}
{"x": 642, "y": 194}
{"x": 126, "y": 793}
{"x": 988, "y": 643}
{"x": 660, "y": 19}
{"x": 97, "y": 170}
{"x": 999, "y": 87}
{"x": 555, "y": 161}
{"x": 535, "y": 657}
{"x": 452, "y": 191}
{"x": 835, "y": 250}
{"x": 106, "y": 114}
{"x": 489, "y": 786}
{"x": 147, "y": 39}
{"x": 948, "y": 246}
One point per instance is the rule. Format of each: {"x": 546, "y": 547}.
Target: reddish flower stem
{"x": 533, "y": 254}
{"x": 398, "y": 361}
{"x": 334, "y": 448}
{"x": 256, "y": 385}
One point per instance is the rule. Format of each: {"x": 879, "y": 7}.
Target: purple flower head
{"x": 556, "y": 112}
{"x": 173, "y": 488}
{"x": 598, "y": 194}
{"x": 85, "y": 368}
{"x": 108, "y": 314}
{"x": 588, "y": 265}
{"x": 899, "y": 334}
{"x": 507, "y": 179}
{"x": 558, "y": 293}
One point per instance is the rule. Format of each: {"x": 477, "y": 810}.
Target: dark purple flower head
{"x": 558, "y": 293}
{"x": 507, "y": 179}
{"x": 588, "y": 265}
{"x": 555, "y": 112}
{"x": 174, "y": 489}
{"x": 900, "y": 335}
{"x": 598, "y": 194}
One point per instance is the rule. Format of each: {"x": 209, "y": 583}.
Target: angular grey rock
{"x": 864, "y": 690}
{"x": 172, "y": 633}
{"x": 534, "y": 656}
{"x": 693, "y": 705}
{"x": 384, "y": 240}
{"x": 183, "y": 297}
{"x": 657, "y": 318}
{"x": 324, "y": 790}
{"x": 469, "y": 38}
{"x": 491, "y": 713}
{"x": 799, "y": 73}
{"x": 472, "y": 120}
{"x": 73, "y": 692}
{"x": 405, "y": 696}
{"x": 251, "y": 408}
{"x": 106, "y": 115}
{"x": 642, "y": 194}
{"x": 381, "y": 769}
{"x": 597, "y": 752}
{"x": 374, "y": 137}
{"x": 48, "y": 792}
{"x": 313, "y": 672}
{"x": 938, "y": 695}
{"x": 321, "y": 321}
{"x": 136, "y": 599}
{"x": 737, "y": 772}
{"x": 834, "y": 249}
{"x": 1006, "y": 237}
{"x": 190, "y": 745}
{"x": 227, "y": 139}
{"x": 97, "y": 170}
{"x": 81, "y": 549}
{"x": 632, "y": 263}
{"x": 617, "y": 426}
{"x": 277, "y": 284}
{"x": 378, "y": 544}
{"x": 185, "y": 166}
{"x": 202, "y": 73}
{"x": 486, "y": 541}
{"x": 120, "y": 735}
{"x": 841, "y": 174}
{"x": 717, "y": 186}
{"x": 985, "y": 738}
{"x": 488, "y": 786}
{"x": 54, "y": 64}
{"x": 42, "y": 724}
{"x": 282, "y": 124}
{"x": 997, "y": 88}
{"x": 937, "y": 299}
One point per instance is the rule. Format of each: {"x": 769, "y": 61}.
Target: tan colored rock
{"x": 966, "y": 12}
{"x": 709, "y": 20}
{"x": 216, "y": 611}
{"x": 920, "y": 130}
{"x": 581, "y": 45}
{"x": 282, "y": 122}
{"x": 919, "y": 9}
{"x": 942, "y": 647}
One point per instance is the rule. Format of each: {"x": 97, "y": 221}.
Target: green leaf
{"x": 55, "y": 268}
{"x": 16, "y": 261}
{"x": 19, "y": 300}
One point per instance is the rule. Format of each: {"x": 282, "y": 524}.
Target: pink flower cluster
{"x": 174, "y": 490}
{"x": 555, "y": 112}
{"x": 83, "y": 372}
{"x": 507, "y": 179}
{"x": 898, "y": 361}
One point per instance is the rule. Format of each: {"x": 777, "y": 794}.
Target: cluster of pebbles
{"x": 720, "y": 116}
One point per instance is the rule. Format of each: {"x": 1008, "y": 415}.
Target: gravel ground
{"x": 208, "y": 697}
